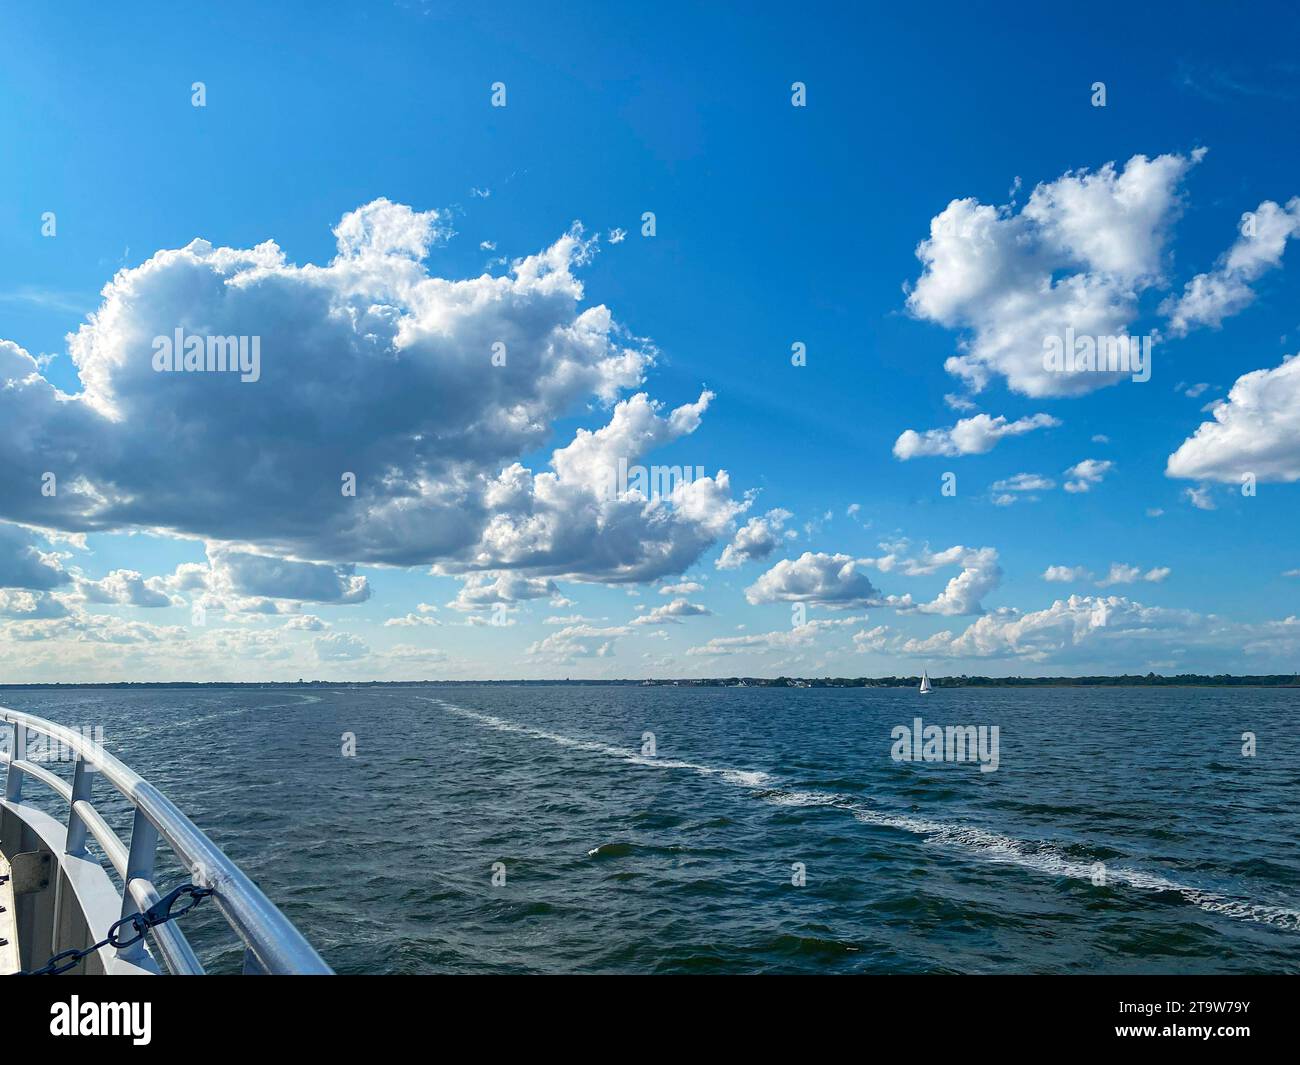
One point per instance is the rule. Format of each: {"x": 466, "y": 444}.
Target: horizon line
{"x": 954, "y": 680}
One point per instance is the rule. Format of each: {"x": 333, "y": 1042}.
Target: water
{"x": 619, "y": 863}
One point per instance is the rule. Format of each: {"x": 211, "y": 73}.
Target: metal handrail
{"x": 272, "y": 944}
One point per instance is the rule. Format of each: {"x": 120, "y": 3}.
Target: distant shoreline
{"x": 1150, "y": 680}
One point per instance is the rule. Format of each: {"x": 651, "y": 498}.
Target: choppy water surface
{"x": 616, "y": 862}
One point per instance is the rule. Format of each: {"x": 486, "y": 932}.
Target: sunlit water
{"x": 683, "y": 862}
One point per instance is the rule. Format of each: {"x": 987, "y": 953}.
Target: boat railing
{"x": 271, "y": 943}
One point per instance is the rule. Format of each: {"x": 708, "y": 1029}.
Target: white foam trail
{"x": 306, "y": 700}
{"x": 989, "y": 846}
{"x": 741, "y": 777}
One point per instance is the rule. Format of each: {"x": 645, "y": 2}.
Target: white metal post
{"x": 14, "y": 778}
{"x": 139, "y": 864}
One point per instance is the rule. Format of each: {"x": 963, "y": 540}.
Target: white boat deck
{"x": 8, "y": 930}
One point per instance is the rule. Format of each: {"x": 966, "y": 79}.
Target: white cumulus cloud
{"x": 1078, "y": 255}
{"x": 1211, "y": 297}
{"x": 970, "y": 436}
{"x": 756, "y": 540}
{"x": 374, "y": 371}
{"x": 1256, "y": 430}
{"x": 1086, "y": 475}
{"x": 816, "y": 578}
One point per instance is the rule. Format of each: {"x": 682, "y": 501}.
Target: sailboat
{"x": 925, "y": 683}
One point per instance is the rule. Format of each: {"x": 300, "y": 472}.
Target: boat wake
{"x": 304, "y": 700}
{"x": 1038, "y": 857}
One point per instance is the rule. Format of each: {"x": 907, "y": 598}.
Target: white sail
{"x": 925, "y": 682}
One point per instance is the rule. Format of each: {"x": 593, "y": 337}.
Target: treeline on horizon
{"x": 1222, "y": 680}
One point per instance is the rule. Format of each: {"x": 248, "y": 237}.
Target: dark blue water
{"x": 618, "y": 863}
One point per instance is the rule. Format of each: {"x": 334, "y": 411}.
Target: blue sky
{"x": 775, "y": 224}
